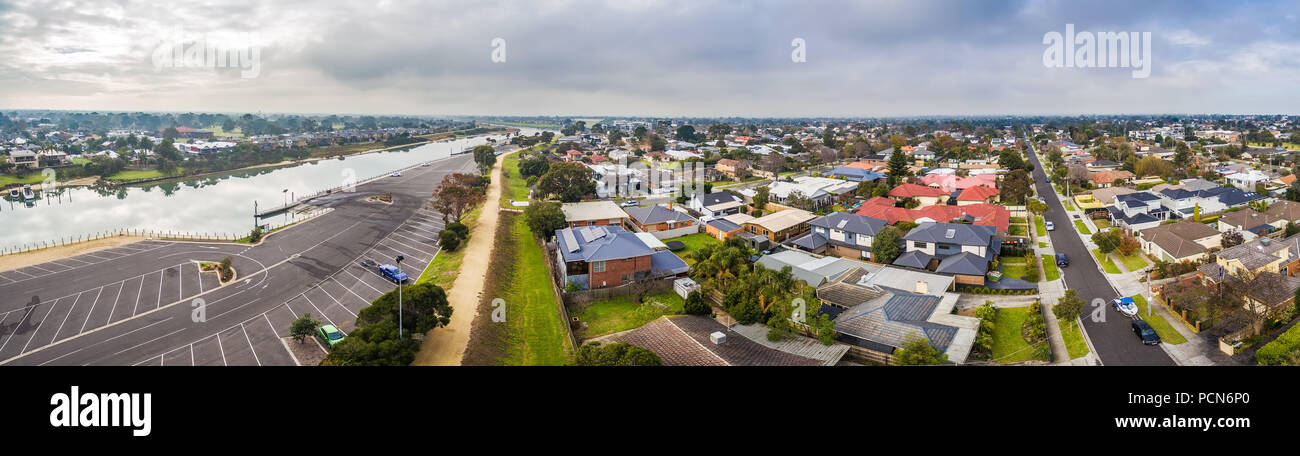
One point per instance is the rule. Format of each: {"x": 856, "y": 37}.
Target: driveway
{"x": 1111, "y": 337}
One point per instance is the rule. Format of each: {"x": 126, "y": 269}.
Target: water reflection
{"x": 218, "y": 204}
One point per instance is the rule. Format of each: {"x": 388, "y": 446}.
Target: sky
{"x": 644, "y": 58}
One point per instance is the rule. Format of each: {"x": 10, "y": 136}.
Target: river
{"x": 221, "y": 203}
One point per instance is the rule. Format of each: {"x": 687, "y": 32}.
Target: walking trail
{"x": 445, "y": 346}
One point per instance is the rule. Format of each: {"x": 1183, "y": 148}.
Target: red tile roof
{"x": 880, "y": 201}
{"x": 978, "y": 193}
{"x": 984, "y": 214}
{"x": 915, "y": 190}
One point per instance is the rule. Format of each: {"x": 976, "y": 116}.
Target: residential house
{"x": 1181, "y": 241}
{"x": 592, "y": 213}
{"x": 822, "y": 191}
{"x": 1107, "y": 178}
{"x": 663, "y": 221}
{"x": 961, "y": 250}
{"x": 994, "y": 215}
{"x": 978, "y": 194}
{"x": 925, "y": 195}
{"x": 854, "y": 174}
{"x": 733, "y": 169}
{"x": 715, "y": 204}
{"x": 1137, "y": 211}
{"x": 1250, "y": 223}
{"x": 610, "y": 256}
{"x": 841, "y": 234}
{"x": 24, "y": 158}
{"x": 1183, "y": 202}
{"x": 1247, "y": 180}
{"x": 725, "y": 227}
{"x": 1264, "y": 269}
{"x": 778, "y": 227}
{"x": 692, "y": 340}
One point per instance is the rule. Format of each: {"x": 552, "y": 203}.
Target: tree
{"x": 695, "y": 304}
{"x": 761, "y": 196}
{"x": 797, "y": 200}
{"x": 685, "y": 133}
{"x": 1017, "y": 186}
{"x": 615, "y": 354}
{"x": 1182, "y": 155}
{"x": 1232, "y": 238}
{"x": 1078, "y": 174}
{"x": 569, "y": 181}
{"x": 459, "y": 228}
{"x": 1069, "y": 307}
{"x": 485, "y": 156}
{"x": 303, "y": 327}
{"x": 897, "y": 167}
{"x": 544, "y": 217}
{"x": 454, "y": 196}
{"x": 917, "y": 351}
{"x": 448, "y": 240}
{"x": 1152, "y": 165}
{"x": 1107, "y": 241}
{"x": 885, "y": 247}
{"x": 1128, "y": 244}
{"x": 1036, "y": 206}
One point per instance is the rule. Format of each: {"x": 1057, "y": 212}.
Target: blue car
{"x": 392, "y": 273}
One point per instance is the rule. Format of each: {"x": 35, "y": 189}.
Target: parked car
{"x": 395, "y": 174}
{"x": 628, "y": 203}
{"x": 1050, "y": 226}
{"x": 369, "y": 263}
{"x": 331, "y": 334}
{"x": 1126, "y": 306}
{"x": 1062, "y": 260}
{"x": 391, "y": 272}
{"x": 424, "y": 164}
{"x": 1145, "y": 332}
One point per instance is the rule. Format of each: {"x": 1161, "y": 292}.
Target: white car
{"x": 1126, "y": 306}
{"x": 395, "y": 174}
{"x": 1050, "y": 226}
{"x": 424, "y": 164}
{"x": 628, "y": 204}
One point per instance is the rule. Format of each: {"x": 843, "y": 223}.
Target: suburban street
{"x": 1112, "y": 337}
{"x": 134, "y": 304}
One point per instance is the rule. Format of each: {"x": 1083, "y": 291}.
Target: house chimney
{"x": 922, "y": 287}
{"x": 670, "y": 205}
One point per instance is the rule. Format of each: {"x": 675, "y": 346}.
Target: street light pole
{"x": 399, "y": 299}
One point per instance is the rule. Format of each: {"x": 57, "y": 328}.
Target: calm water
{"x": 213, "y": 204}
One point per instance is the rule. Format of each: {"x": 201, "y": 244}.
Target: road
{"x": 135, "y": 304}
{"x": 1112, "y": 337}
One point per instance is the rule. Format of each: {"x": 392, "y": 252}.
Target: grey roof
{"x": 1257, "y": 252}
{"x": 724, "y": 225}
{"x": 810, "y": 241}
{"x": 893, "y": 318}
{"x": 965, "y": 263}
{"x": 807, "y": 267}
{"x": 683, "y": 340}
{"x": 952, "y": 233}
{"x": 1138, "y": 197}
{"x": 599, "y": 243}
{"x": 853, "y": 223}
{"x": 657, "y": 214}
{"x": 914, "y": 259}
{"x": 710, "y": 199}
{"x": 666, "y": 263}
{"x": 1197, "y": 184}
{"x": 1138, "y": 219}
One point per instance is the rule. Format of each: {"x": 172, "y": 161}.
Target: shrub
{"x": 448, "y": 239}
{"x": 459, "y": 228}
{"x": 695, "y": 304}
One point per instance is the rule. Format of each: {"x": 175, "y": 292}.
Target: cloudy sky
{"x": 642, "y": 57}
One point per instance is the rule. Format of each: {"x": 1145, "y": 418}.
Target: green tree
{"x": 569, "y": 181}
{"x": 448, "y": 240}
{"x": 485, "y": 156}
{"x": 898, "y": 171}
{"x": 1069, "y": 307}
{"x": 1107, "y": 241}
{"x": 761, "y": 196}
{"x": 303, "y": 327}
{"x": 695, "y": 304}
{"x": 917, "y": 351}
{"x": 544, "y": 217}
{"x": 1017, "y": 186}
{"x": 616, "y": 354}
{"x": 887, "y": 245}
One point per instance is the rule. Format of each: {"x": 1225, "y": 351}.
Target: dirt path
{"x": 21, "y": 260}
{"x": 446, "y": 346}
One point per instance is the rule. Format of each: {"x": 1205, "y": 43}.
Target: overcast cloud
{"x": 654, "y": 58}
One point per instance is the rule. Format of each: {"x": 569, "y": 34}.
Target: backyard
{"x": 1008, "y": 344}
{"x": 693, "y": 242}
{"x": 623, "y": 313}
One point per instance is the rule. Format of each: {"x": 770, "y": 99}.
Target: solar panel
{"x": 950, "y": 233}
{"x": 842, "y": 223}
{"x": 598, "y": 233}
{"x": 586, "y": 233}
{"x": 569, "y": 240}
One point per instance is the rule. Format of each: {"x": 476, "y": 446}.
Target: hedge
{"x": 1275, "y": 353}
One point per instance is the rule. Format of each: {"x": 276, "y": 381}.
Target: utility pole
{"x": 399, "y": 298}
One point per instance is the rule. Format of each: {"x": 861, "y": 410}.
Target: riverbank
{"x": 25, "y": 259}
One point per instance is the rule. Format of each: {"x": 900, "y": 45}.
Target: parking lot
{"x": 336, "y": 300}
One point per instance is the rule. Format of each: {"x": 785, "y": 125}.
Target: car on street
{"x": 369, "y": 263}
{"x": 393, "y": 273}
{"x": 1050, "y": 226}
{"x": 1145, "y": 332}
{"x": 628, "y": 203}
{"x": 1062, "y": 260}
{"x": 424, "y": 164}
{"x": 1126, "y": 306}
{"x": 331, "y": 334}
{"x": 395, "y": 174}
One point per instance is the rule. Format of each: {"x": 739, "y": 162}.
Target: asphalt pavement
{"x": 148, "y": 303}
{"x": 1111, "y": 334}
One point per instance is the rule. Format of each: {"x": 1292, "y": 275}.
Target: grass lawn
{"x": 1040, "y": 226}
{"x": 1105, "y": 261}
{"x": 516, "y": 187}
{"x": 1015, "y": 271}
{"x": 1083, "y": 228}
{"x": 1019, "y": 220}
{"x": 444, "y": 268}
{"x": 1049, "y": 268}
{"x": 1018, "y": 230}
{"x": 1074, "y": 343}
{"x": 693, "y": 242}
{"x": 1008, "y": 345}
{"x": 1133, "y": 262}
{"x": 130, "y": 175}
{"x": 1068, "y": 205}
{"x": 1167, "y": 333}
{"x": 623, "y": 313}
{"x": 1042, "y": 245}
{"x": 30, "y": 178}
{"x": 536, "y": 334}
{"x": 1101, "y": 223}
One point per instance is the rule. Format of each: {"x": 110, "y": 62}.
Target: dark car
{"x": 1144, "y": 332}
{"x": 1062, "y": 260}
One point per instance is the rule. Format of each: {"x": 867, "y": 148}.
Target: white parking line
{"x": 198, "y": 270}
{"x": 250, "y": 344}
{"x": 160, "y": 282}
{"x": 336, "y": 300}
{"x": 223, "y": 349}
{"x": 119, "y": 296}
{"x": 139, "y": 291}
{"x": 363, "y": 282}
{"x": 268, "y": 323}
{"x": 30, "y": 310}
{"x": 395, "y": 241}
{"x": 313, "y": 305}
{"x": 141, "y": 344}
{"x": 414, "y": 240}
{"x": 91, "y": 312}
{"x": 350, "y": 290}
{"x": 42, "y": 323}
